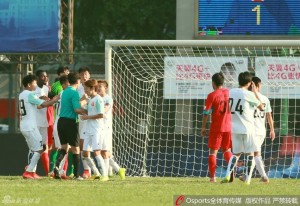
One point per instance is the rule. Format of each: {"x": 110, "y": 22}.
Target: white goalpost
{"x": 159, "y": 88}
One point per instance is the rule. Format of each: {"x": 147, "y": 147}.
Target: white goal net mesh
{"x": 159, "y": 89}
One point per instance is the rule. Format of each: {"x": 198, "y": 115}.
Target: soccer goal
{"x": 159, "y": 89}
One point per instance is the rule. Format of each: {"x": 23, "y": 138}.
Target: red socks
{"x": 212, "y": 163}
{"x": 227, "y": 155}
{"x": 45, "y": 161}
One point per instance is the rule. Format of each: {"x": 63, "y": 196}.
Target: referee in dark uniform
{"x": 67, "y": 124}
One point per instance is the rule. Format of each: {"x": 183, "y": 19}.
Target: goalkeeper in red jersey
{"x": 217, "y": 105}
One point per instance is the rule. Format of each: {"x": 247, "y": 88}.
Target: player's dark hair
{"x": 218, "y": 79}
{"x": 39, "y": 72}
{"x": 91, "y": 83}
{"x": 62, "y": 69}
{"x": 244, "y": 78}
{"x": 84, "y": 69}
{"x": 73, "y": 77}
{"x": 256, "y": 81}
{"x": 63, "y": 79}
{"x": 28, "y": 79}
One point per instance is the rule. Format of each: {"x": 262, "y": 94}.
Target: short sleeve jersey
{"x": 95, "y": 106}
{"x": 217, "y": 104}
{"x": 27, "y": 105}
{"x": 81, "y": 90}
{"x": 56, "y": 87}
{"x": 69, "y": 103}
{"x": 42, "y": 113}
{"x": 108, "y": 103}
{"x": 260, "y": 116}
{"x": 242, "y": 104}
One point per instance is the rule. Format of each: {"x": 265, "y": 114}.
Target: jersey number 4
{"x": 238, "y": 106}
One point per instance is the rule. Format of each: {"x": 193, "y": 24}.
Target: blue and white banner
{"x": 29, "y": 25}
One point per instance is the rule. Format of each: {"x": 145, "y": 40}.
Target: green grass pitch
{"x": 133, "y": 191}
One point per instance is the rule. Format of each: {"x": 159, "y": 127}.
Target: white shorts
{"x": 259, "y": 140}
{"x": 243, "y": 143}
{"x": 107, "y": 133}
{"x": 33, "y": 139}
{"x": 44, "y": 133}
{"x": 81, "y": 129}
{"x": 94, "y": 142}
{"x": 55, "y": 136}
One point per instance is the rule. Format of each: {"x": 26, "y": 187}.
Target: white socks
{"x": 92, "y": 165}
{"x": 249, "y": 169}
{"x": 84, "y": 163}
{"x": 231, "y": 165}
{"x": 101, "y": 164}
{"x": 33, "y": 162}
{"x": 260, "y": 166}
{"x": 113, "y": 164}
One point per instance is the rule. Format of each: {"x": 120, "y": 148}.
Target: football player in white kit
{"x": 28, "y": 105}
{"x": 107, "y": 129}
{"x": 84, "y": 73}
{"x": 260, "y": 130}
{"x": 93, "y": 131}
{"x": 243, "y": 104}
{"x": 42, "y": 91}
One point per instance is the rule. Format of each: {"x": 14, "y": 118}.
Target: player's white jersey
{"x": 57, "y": 107}
{"x": 242, "y": 104}
{"x": 27, "y": 104}
{"x": 42, "y": 113}
{"x": 80, "y": 90}
{"x": 108, "y": 103}
{"x": 95, "y": 106}
{"x": 260, "y": 116}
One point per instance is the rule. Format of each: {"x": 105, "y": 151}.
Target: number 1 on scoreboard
{"x": 257, "y": 10}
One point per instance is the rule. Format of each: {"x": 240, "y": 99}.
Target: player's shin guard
{"x": 212, "y": 163}
{"x": 249, "y": 169}
{"x": 231, "y": 165}
{"x": 76, "y": 161}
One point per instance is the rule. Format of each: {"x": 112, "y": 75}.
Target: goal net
{"x": 159, "y": 90}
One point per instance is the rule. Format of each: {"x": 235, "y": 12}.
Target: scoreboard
{"x": 248, "y": 17}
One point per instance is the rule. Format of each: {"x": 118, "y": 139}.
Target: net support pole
{"x": 108, "y": 78}
{"x": 108, "y": 75}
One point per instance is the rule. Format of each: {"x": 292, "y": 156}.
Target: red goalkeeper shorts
{"x": 217, "y": 140}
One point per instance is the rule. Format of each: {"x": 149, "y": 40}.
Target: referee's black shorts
{"x": 68, "y": 131}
